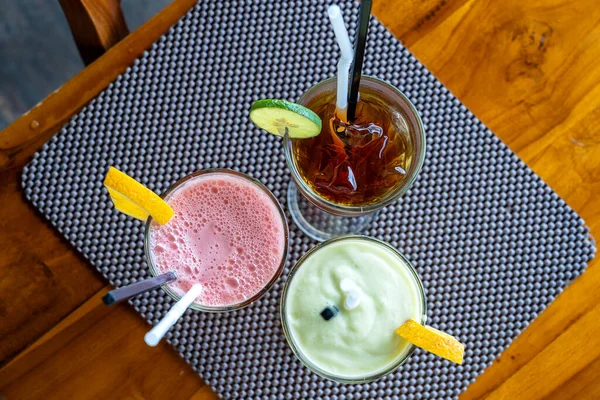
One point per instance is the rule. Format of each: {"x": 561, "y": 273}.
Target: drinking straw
{"x": 343, "y": 41}
{"x": 114, "y": 296}
{"x": 353, "y": 293}
{"x": 359, "y": 53}
{"x": 156, "y": 334}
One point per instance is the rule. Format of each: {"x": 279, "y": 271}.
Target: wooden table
{"x": 530, "y": 70}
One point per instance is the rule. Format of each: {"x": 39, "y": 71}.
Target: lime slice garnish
{"x": 279, "y": 116}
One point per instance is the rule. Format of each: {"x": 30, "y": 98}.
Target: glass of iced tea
{"x": 350, "y": 170}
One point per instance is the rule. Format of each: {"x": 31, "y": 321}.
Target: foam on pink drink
{"x": 227, "y": 234}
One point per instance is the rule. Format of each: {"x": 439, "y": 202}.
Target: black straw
{"x": 114, "y": 296}
{"x": 360, "y": 42}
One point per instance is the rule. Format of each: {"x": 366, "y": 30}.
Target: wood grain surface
{"x": 96, "y": 25}
{"x": 528, "y": 70}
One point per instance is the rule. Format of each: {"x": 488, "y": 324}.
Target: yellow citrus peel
{"x": 134, "y": 199}
{"x": 434, "y": 341}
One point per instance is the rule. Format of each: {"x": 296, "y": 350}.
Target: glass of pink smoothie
{"x": 229, "y": 234}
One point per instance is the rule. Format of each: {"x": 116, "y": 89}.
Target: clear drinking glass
{"x": 289, "y": 336}
{"x": 322, "y": 219}
{"x": 232, "y": 307}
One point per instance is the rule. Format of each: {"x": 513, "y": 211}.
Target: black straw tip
{"x": 109, "y": 299}
{"x": 329, "y": 312}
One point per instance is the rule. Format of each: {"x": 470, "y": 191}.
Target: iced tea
{"x": 359, "y": 163}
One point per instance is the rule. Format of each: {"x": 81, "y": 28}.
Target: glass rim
{"x": 340, "y": 209}
{"x": 288, "y": 335}
{"x": 274, "y": 278}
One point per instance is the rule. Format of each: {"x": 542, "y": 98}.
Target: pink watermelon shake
{"x": 229, "y": 234}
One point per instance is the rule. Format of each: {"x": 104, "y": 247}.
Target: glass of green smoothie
{"x": 341, "y": 304}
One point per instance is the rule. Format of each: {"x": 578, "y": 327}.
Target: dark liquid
{"x": 356, "y": 164}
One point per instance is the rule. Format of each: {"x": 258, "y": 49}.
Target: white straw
{"x": 353, "y": 293}
{"x": 341, "y": 35}
{"x": 156, "y": 334}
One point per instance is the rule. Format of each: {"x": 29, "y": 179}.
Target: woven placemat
{"x": 493, "y": 244}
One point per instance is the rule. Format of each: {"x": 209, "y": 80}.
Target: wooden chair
{"x": 96, "y": 25}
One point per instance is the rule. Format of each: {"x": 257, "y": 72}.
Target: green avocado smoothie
{"x": 342, "y": 303}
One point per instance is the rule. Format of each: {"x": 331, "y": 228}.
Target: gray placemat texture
{"x": 493, "y": 244}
